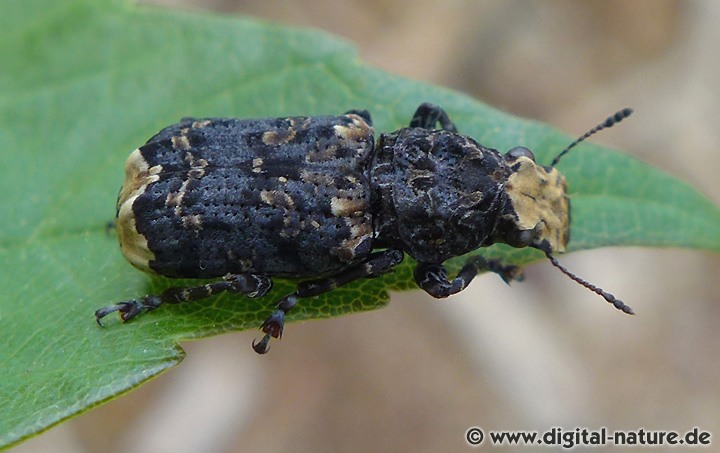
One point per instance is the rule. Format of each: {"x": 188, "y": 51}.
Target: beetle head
{"x": 538, "y": 208}
{"x": 537, "y": 212}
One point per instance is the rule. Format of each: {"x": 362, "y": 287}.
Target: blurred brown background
{"x": 544, "y": 353}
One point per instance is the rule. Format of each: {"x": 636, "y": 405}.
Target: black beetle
{"x": 317, "y": 197}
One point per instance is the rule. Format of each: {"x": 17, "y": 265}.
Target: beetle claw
{"x": 262, "y": 346}
{"x": 102, "y": 312}
{"x": 127, "y": 310}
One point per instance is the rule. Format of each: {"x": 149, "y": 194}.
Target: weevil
{"x": 320, "y": 200}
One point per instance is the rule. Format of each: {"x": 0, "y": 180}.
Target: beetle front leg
{"x": 376, "y": 264}
{"x": 432, "y": 277}
{"x": 428, "y": 115}
{"x": 252, "y": 285}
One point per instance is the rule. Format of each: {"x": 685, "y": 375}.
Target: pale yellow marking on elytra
{"x": 179, "y": 195}
{"x": 138, "y": 175}
{"x": 277, "y": 198}
{"x": 196, "y": 173}
{"x": 345, "y": 207}
{"x": 358, "y": 130}
{"x": 193, "y": 221}
{"x": 278, "y": 137}
{"x": 200, "y": 124}
{"x": 257, "y": 165}
{"x": 180, "y": 143}
{"x": 316, "y": 178}
{"x": 133, "y": 245}
{"x": 359, "y": 231}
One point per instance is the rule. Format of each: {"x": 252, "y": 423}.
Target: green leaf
{"x": 85, "y": 82}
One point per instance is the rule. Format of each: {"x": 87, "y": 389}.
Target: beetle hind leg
{"x": 376, "y": 264}
{"x": 252, "y": 285}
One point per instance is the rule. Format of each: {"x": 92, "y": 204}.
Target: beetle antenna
{"x": 620, "y": 305}
{"x": 611, "y": 121}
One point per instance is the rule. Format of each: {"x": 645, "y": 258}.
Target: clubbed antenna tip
{"x": 617, "y": 303}
{"x": 609, "y": 122}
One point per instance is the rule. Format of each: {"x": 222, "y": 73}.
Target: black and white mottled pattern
{"x": 316, "y": 197}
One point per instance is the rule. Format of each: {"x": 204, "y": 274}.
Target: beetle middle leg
{"x": 252, "y": 285}
{"x": 433, "y": 278}
{"x": 376, "y": 264}
{"x": 428, "y": 115}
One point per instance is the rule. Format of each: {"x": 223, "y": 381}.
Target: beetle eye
{"x": 520, "y": 151}
{"x": 519, "y": 238}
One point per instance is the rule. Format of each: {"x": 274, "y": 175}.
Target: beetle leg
{"x": 252, "y": 285}
{"x": 376, "y": 264}
{"x": 428, "y": 115}
{"x": 433, "y": 278}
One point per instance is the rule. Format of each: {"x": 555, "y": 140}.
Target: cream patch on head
{"x": 540, "y": 201}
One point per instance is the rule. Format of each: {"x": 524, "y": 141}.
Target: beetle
{"x": 319, "y": 199}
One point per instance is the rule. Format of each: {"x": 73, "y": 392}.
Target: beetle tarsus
{"x": 507, "y": 272}
{"x": 275, "y": 323}
{"x": 273, "y": 328}
{"x": 102, "y": 312}
{"x": 262, "y": 346}
{"x": 128, "y": 309}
